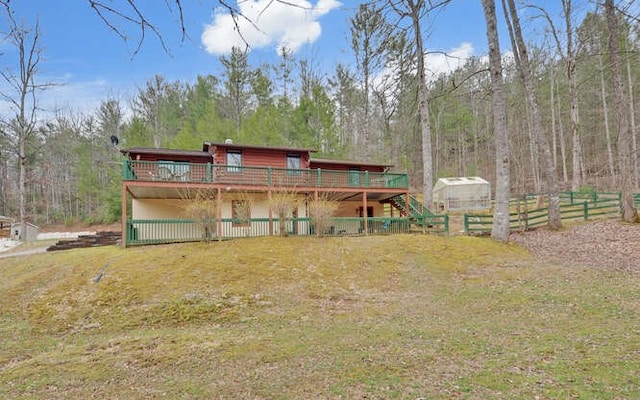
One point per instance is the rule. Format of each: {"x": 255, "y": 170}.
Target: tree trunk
{"x": 622, "y": 125}
{"x": 607, "y": 132}
{"x": 423, "y": 108}
{"x": 526, "y": 74}
{"x": 500, "y": 228}
{"x": 632, "y": 120}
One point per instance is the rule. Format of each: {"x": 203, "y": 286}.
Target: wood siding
{"x": 252, "y": 157}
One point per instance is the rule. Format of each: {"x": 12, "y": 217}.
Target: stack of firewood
{"x": 99, "y": 239}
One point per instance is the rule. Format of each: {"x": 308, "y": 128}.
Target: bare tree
{"x": 526, "y": 74}
{"x": 21, "y": 97}
{"x": 500, "y": 228}
{"x": 321, "y": 211}
{"x": 568, "y": 53}
{"x": 370, "y": 35}
{"x": 203, "y": 207}
{"x": 629, "y": 212}
{"x": 284, "y": 203}
{"x": 415, "y": 10}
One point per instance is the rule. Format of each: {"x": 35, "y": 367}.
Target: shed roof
{"x": 464, "y": 180}
{"x": 348, "y": 162}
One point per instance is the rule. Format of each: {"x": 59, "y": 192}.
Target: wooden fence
{"x": 157, "y": 231}
{"x": 527, "y": 213}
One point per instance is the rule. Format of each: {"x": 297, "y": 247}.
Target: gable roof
{"x": 207, "y": 145}
{"x": 231, "y": 145}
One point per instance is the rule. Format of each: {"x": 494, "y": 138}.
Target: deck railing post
{"x": 366, "y": 178}
{"x": 318, "y": 177}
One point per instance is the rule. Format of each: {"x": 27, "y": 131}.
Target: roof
{"x": 172, "y": 152}
{"x": 232, "y": 145}
{"x": 5, "y": 219}
{"x": 204, "y": 153}
{"x": 463, "y": 180}
{"x": 347, "y": 162}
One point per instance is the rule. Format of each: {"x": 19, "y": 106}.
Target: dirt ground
{"x": 606, "y": 244}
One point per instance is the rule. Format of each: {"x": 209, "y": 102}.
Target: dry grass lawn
{"x": 393, "y": 317}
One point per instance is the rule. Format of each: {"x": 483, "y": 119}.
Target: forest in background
{"x": 364, "y": 111}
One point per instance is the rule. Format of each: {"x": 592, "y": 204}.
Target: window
{"x": 293, "y": 164}
{"x": 240, "y": 213}
{"x": 234, "y": 161}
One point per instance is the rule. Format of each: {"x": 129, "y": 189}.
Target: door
{"x": 354, "y": 177}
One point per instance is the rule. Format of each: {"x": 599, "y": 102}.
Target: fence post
{"x": 466, "y": 224}
{"x": 586, "y": 210}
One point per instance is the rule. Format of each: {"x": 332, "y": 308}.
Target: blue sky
{"x": 91, "y": 63}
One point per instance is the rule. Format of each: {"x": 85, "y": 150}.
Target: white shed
{"x": 30, "y": 234}
{"x": 463, "y": 193}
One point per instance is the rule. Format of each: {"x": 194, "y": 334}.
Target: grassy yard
{"x": 393, "y": 317}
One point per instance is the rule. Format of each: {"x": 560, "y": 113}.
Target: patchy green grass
{"x": 394, "y": 317}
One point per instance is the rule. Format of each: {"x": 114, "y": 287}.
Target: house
{"x": 230, "y": 190}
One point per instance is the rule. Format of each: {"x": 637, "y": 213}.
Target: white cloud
{"x": 67, "y": 95}
{"x": 267, "y": 23}
{"x": 435, "y": 63}
{"x": 441, "y": 63}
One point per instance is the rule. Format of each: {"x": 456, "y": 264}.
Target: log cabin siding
{"x": 253, "y": 157}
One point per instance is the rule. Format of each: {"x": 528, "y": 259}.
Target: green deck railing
{"x": 259, "y": 176}
{"x": 158, "y": 231}
{"x": 422, "y": 216}
{"x": 573, "y": 206}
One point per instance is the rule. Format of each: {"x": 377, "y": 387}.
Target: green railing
{"x": 259, "y": 176}
{"x": 422, "y": 216}
{"x": 573, "y": 206}
{"x": 157, "y": 231}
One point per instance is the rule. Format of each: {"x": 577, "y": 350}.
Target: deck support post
{"x": 123, "y": 228}
{"x": 219, "y": 213}
{"x": 365, "y": 214}
{"x": 270, "y": 201}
